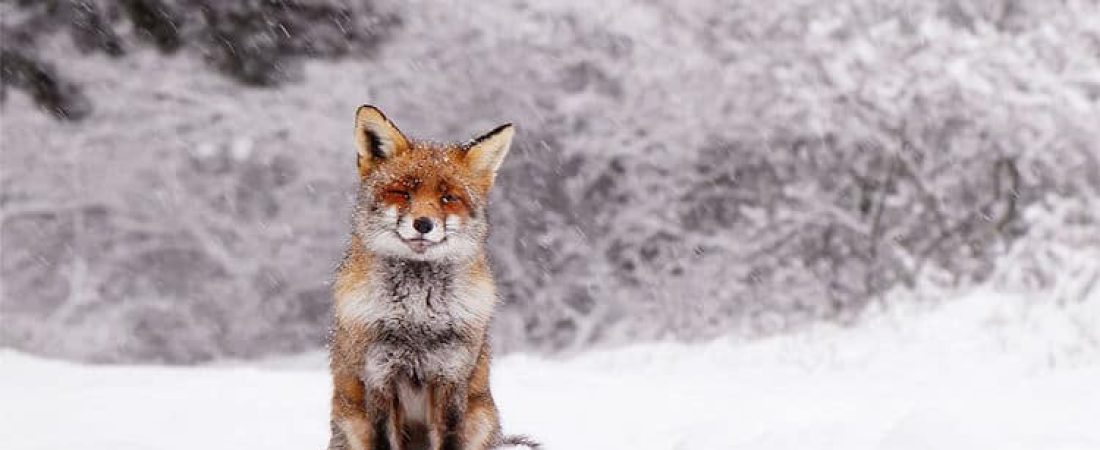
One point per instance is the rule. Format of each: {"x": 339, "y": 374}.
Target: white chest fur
{"x": 428, "y": 322}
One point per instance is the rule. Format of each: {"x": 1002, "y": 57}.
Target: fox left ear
{"x": 486, "y": 153}
{"x": 376, "y": 138}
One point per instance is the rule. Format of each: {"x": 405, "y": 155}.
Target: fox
{"x": 414, "y": 296}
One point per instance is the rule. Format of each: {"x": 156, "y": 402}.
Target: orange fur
{"x": 415, "y": 179}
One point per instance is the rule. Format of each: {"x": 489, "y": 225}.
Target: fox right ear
{"x": 376, "y": 138}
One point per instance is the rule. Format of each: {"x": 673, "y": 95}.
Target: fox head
{"x": 421, "y": 200}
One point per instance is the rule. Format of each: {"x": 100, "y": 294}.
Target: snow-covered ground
{"x": 985, "y": 371}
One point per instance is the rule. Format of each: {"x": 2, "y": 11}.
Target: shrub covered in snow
{"x": 255, "y": 42}
{"x": 682, "y": 169}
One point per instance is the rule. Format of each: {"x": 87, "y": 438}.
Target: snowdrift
{"x": 987, "y": 370}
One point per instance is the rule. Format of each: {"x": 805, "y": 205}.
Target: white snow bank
{"x": 988, "y": 371}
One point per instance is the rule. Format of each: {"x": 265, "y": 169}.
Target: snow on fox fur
{"x": 414, "y": 296}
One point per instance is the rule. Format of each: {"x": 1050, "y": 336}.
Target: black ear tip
{"x": 498, "y": 130}
{"x": 490, "y": 134}
{"x": 368, "y": 108}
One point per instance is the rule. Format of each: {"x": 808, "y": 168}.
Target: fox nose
{"x": 422, "y": 225}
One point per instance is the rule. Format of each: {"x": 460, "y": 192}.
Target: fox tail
{"x": 518, "y": 441}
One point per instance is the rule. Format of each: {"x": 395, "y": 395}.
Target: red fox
{"x": 414, "y": 296}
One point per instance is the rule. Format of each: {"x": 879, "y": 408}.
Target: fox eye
{"x": 399, "y": 194}
{"x": 448, "y": 198}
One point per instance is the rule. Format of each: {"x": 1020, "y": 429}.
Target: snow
{"x": 985, "y": 370}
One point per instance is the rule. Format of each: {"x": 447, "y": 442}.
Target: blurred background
{"x": 177, "y": 175}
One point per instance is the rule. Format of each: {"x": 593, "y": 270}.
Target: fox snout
{"x": 423, "y": 225}
{"x": 423, "y": 229}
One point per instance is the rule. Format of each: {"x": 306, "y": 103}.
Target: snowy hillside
{"x": 988, "y": 371}
{"x": 811, "y": 155}
{"x": 796, "y": 225}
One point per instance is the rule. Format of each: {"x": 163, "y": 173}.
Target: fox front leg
{"x": 480, "y": 424}
{"x": 361, "y": 420}
{"x": 462, "y": 420}
{"x": 479, "y": 427}
{"x": 446, "y": 409}
{"x": 350, "y": 422}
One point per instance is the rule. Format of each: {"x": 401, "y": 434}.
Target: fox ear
{"x": 376, "y": 138}
{"x": 485, "y": 153}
